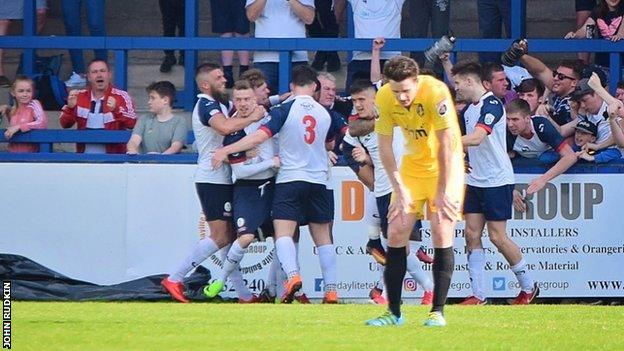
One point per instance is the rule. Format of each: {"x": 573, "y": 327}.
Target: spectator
{"x": 586, "y": 133}
{"x": 327, "y": 98}
{"x": 279, "y": 19}
{"x": 228, "y": 20}
{"x": 531, "y": 137}
{"x": 619, "y": 92}
{"x": 325, "y": 25}
{"x": 593, "y": 109}
{"x": 423, "y": 13}
{"x": 607, "y": 19}
{"x": 583, "y": 9}
{"x": 73, "y": 27}
{"x": 372, "y": 19}
{"x": 101, "y": 106}
{"x": 493, "y": 15}
{"x": 561, "y": 82}
{"x": 163, "y": 132}
{"x": 172, "y": 12}
{"x": 14, "y": 10}
{"x": 27, "y": 114}
{"x": 531, "y": 90}
{"x": 617, "y": 129}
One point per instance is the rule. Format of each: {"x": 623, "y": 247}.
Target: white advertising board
{"x": 108, "y": 223}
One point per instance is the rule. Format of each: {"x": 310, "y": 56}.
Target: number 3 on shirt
{"x": 310, "y": 124}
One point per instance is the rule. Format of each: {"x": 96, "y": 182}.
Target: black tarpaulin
{"x": 34, "y": 282}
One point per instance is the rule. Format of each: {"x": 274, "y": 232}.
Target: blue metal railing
{"x": 192, "y": 44}
{"x": 46, "y": 139}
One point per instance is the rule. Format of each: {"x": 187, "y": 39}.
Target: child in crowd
{"x": 25, "y": 115}
{"x": 163, "y": 132}
{"x": 586, "y": 133}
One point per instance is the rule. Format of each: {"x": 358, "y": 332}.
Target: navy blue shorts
{"x": 382, "y": 207}
{"x": 495, "y": 203}
{"x": 299, "y": 200}
{"x": 229, "y": 16}
{"x": 216, "y": 200}
{"x": 252, "y": 206}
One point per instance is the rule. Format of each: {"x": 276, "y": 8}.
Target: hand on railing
{"x": 11, "y": 131}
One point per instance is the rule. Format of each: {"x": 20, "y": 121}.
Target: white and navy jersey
{"x": 544, "y": 137}
{"x": 303, "y": 126}
{"x": 490, "y": 163}
{"x": 370, "y": 142}
{"x": 601, "y": 119}
{"x": 266, "y": 151}
{"x": 207, "y": 140}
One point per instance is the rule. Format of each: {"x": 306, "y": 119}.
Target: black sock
{"x": 443, "y": 264}
{"x": 396, "y": 265}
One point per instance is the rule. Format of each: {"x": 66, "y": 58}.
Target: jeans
{"x": 493, "y": 14}
{"x": 425, "y": 12}
{"x": 172, "y": 17}
{"x": 73, "y": 27}
{"x": 271, "y": 72}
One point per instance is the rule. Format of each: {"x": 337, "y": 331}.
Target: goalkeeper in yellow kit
{"x": 432, "y": 174}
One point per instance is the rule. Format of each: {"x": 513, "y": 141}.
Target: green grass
{"x": 203, "y": 326}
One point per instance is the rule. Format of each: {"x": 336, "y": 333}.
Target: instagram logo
{"x": 409, "y": 284}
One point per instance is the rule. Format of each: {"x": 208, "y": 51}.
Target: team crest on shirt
{"x": 442, "y": 108}
{"x": 488, "y": 119}
{"x": 420, "y": 110}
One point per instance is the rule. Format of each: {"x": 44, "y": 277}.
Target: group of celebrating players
{"x": 263, "y": 174}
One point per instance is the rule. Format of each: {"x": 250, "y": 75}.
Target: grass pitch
{"x": 203, "y": 326}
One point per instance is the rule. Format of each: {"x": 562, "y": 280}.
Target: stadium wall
{"x": 109, "y": 223}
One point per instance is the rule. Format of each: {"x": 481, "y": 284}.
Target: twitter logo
{"x": 498, "y": 283}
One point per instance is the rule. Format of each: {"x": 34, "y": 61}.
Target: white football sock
{"x": 522, "y": 274}
{"x": 476, "y": 270}
{"x": 327, "y": 258}
{"x": 287, "y": 253}
{"x": 201, "y": 251}
{"x": 414, "y": 268}
{"x": 232, "y": 260}
{"x": 274, "y": 268}
{"x": 380, "y": 271}
{"x": 236, "y": 277}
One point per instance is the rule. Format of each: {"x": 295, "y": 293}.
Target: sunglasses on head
{"x": 561, "y": 76}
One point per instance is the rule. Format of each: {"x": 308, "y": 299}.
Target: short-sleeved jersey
{"x": 370, "y": 142}
{"x": 266, "y": 151}
{"x": 207, "y": 140}
{"x": 303, "y": 126}
{"x": 489, "y": 161}
{"x": 432, "y": 110}
{"x": 544, "y": 137}
{"x": 601, "y": 119}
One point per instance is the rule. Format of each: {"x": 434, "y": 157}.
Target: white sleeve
{"x": 242, "y": 171}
